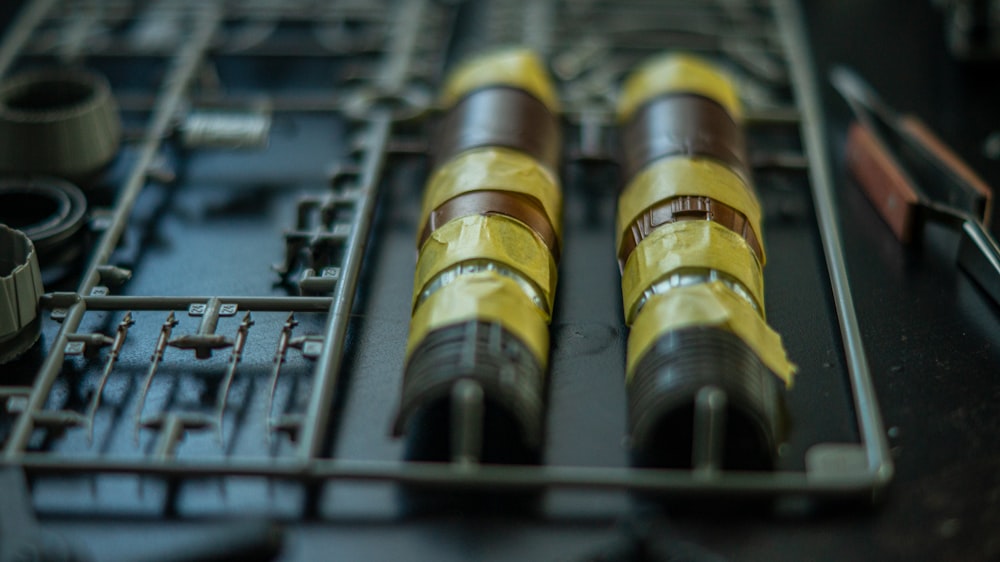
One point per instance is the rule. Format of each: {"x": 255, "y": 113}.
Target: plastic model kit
{"x": 239, "y": 306}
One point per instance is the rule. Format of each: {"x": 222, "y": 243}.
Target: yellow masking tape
{"x": 707, "y": 304}
{"x": 674, "y": 73}
{"x": 494, "y": 169}
{"x": 516, "y": 67}
{"x": 682, "y": 175}
{"x": 492, "y": 237}
{"x": 483, "y": 296}
{"x": 684, "y": 245}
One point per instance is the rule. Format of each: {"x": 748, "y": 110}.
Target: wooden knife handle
{"x": 882, "y": 181}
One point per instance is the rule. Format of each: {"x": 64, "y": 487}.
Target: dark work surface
{"x": 932, "y": 339}
{"x": 931, "y": 334}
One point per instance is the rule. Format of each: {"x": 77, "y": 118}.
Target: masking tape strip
{"x": 470, "y": 267}
{"x": 515, "y": 205}
{"x": 517, "y": 67}
{"x": 707, "y": 304}
{"x": 675, "y": 73}
{"x": 492, "y": 237}
{"x": 689, "y": 245}
{"x": 687, "y": 208}
{"x": 484, "y": 296}
{"x": 671, "y": 177}
{"x": 494, "y": 169}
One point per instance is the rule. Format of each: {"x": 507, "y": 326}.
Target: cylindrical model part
{"x": 690, "y": 249}
{"x": 50, "y": 211}
{"x": 20, "y": 292}
{"x": 488, "y": 247}
{"x": 59, "y": 122}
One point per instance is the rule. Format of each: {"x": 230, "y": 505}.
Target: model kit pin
{"x": 154, "y": 364}
{"x": 234, "y": 359}
{"x": 95, "y": 401}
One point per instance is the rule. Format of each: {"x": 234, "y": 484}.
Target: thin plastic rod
{"x": 814, "y": 137}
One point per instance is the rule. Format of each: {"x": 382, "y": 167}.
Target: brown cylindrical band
{"x": 688, "y": 208}
{"x": 499, "y": 116}
{"x": 676, "y": 124}
{"x": 518, "y": 206}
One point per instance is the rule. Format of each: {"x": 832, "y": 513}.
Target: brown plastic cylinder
{"x": 499, "y": 116}
{"x": 683, "y": 125}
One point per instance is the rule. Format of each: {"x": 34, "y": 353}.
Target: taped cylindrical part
{"x": 669, "y": 178}
{"x": 494, "y": 169}
{"x": 518, "y": 206}
{"x": 690, "y": 248}
{"x": 486, "y": 352}
{"x": 682, "y": 124}
{"x": 499, "y": 116}
{"x": 488, "y": 243}
{"x": 677, "y": 73}
{"x": 58, "y": 121}
{"x": 663, "y": 390}
{"x": 486, "y": 297}
{"x": 688, "y": 208}
{"x": 684, "y": 246}
{"x": 707, "y": 305}
{"x": 515, "y": 67}
{"x": 494, "y": 238}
